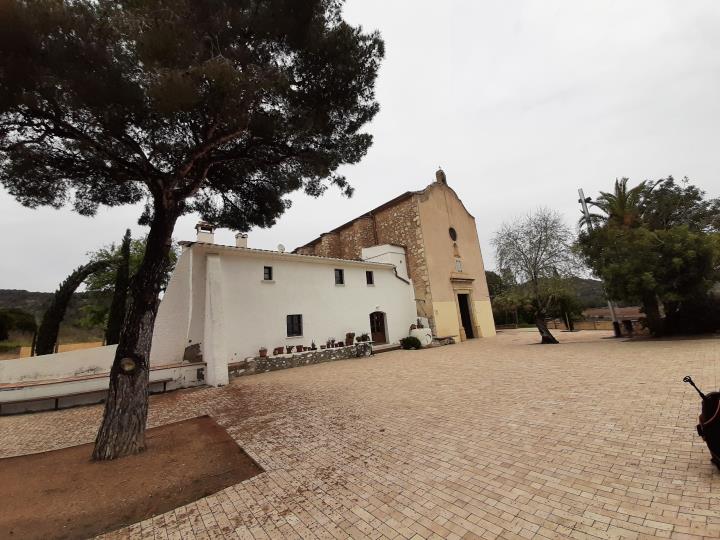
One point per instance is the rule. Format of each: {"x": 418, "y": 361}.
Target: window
{"x": 267, "y": 273}
{"x": 339, "y": 277}
{"x": 453, "y": 234}
{"x": 294, "y": 325}
{"x": 458, "y": 265}
{"x": 369, "y": 277}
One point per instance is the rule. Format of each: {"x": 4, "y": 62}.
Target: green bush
{"x": 19, "y": 320}
{"x": 410, "y": 342}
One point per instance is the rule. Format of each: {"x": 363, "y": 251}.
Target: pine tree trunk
{"x": 122, "y": 431}
{"x": 547, "y": 337}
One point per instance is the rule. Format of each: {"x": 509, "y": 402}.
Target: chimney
{"x": 205, "y": 232}
{"x": 241, "y": 239}
{"x": 440, "y": 176}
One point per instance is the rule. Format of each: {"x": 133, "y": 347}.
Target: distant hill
{"x": 71, "y": 329}
{"x": 590, "y": 292}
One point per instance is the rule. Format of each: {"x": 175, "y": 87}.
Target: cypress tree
{"x": 47, "y": 334}
{"x": 119, "y": 299}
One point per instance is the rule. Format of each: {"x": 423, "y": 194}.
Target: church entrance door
{"x": 465, "y": 317}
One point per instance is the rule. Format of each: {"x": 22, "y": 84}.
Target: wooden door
{"x": 377, "y": 327}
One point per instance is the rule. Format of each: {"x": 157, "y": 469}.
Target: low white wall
{"x": 184, "y": 376}
{"x": 57, "y": 366}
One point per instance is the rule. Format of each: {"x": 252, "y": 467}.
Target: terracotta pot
{"x": 263, "y": 352}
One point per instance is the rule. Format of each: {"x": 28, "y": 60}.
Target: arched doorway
{"x": 378, "y": 329}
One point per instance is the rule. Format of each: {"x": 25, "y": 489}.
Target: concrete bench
{"x": 57, "y": 397}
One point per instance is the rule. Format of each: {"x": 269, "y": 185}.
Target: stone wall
{"x": 329, "y": 245}
{"x": 258, "y": 364}
{"x": 400, "y": 225}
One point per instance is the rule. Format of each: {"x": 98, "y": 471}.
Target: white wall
{"x": 58, "y": 365}
{"x": 389, "y": 254}
{"x": 173, "y": 318}
{"x": 255, "y": 311}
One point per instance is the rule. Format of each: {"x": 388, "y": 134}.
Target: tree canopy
{"x": 667, "y": 256}
{"x": 230, "y": 105}
{"x": 537, "y": 251}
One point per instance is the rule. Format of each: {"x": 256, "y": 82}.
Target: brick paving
{"x": 494, "y": 438}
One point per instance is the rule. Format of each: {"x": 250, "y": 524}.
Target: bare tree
{"x": 537, "y": 250}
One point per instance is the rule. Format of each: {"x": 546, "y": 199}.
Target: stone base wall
{"x": 258, "y": 364}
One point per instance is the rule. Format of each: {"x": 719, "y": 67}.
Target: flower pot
{"x": 263, "y": 352}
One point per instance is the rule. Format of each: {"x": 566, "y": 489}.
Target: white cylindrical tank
{"x": 423, "y": 334}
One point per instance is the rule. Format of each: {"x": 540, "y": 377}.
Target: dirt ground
{"x": 62, "y": 494}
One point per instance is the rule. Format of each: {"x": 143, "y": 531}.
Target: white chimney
{"x": 241, "y": 239}
{"x": 205, "y": 232}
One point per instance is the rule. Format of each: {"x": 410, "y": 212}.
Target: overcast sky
{"x": 521, "y": 102}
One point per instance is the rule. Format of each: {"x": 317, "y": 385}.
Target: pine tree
{"x": 221, "y": 107}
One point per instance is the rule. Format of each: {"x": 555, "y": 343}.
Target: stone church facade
{"x": 443, "y": 255}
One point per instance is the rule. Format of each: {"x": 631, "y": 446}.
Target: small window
{"x": 458, "y": 265}
{"x": 369, "y": 277}
{"x": 339, "y": 276}
{"x": 453, "y": 234}
{"x": 267, "y": 273}
{"x": 294, "y": 325}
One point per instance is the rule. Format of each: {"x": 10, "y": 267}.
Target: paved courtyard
{"x": 594, "y": 438}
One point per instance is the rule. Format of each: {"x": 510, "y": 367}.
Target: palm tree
{"x": 623, "y": 207}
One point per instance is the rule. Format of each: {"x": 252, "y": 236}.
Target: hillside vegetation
{"x": 75, "y": 328}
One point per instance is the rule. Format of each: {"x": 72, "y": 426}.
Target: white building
{"x": 226, "y": 302}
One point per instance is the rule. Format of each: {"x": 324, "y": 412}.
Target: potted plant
{"x": 350, "y": 338}
{"x": 299, "y": 348}
{"x": 313, "y": 347}
{"x": 278, "y": 350}
{"x": 289, "y": 348}
{"x": 263, "y": 352}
